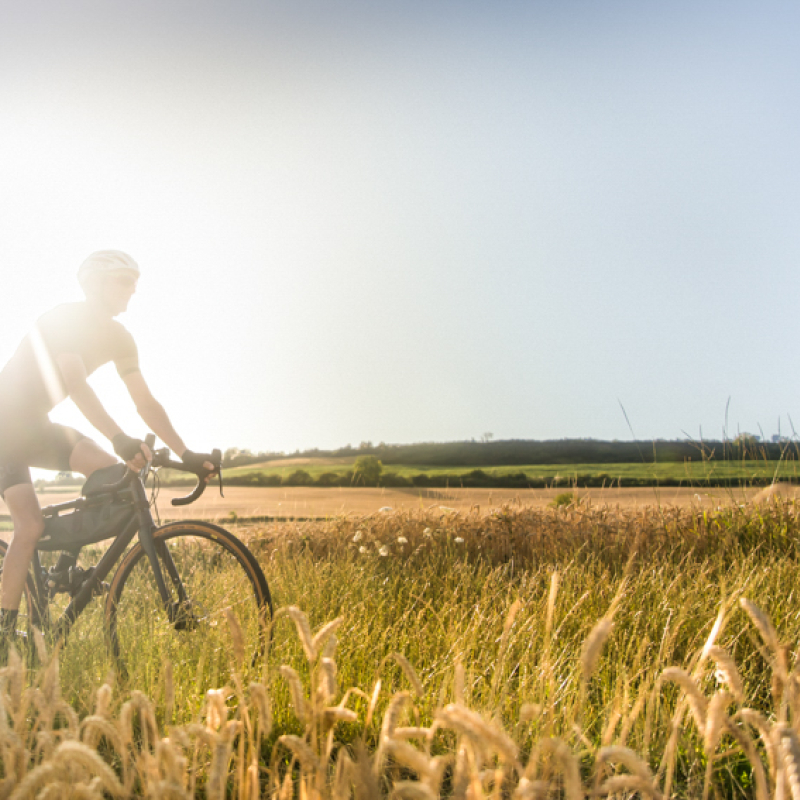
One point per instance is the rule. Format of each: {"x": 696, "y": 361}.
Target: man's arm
{"x": 152, "y": 412}
{"x": 155, "y": 417}
{"x": 73, "y": 372}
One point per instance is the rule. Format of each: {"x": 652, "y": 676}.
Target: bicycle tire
{"x": 219, "y": 573}
{"x": 28, "y": 615}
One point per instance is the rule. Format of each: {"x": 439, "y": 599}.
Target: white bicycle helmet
{"x": 106, "y": 261}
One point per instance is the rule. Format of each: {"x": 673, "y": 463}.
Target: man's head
{"x": 108, "y": 277}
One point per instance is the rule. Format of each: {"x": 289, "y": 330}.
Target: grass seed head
{"x": 412, "y": 790}
{"x": 410, "y": 673}
{"x": 727, "y": 672}
{"x": 103, "y": 702}
{"x": 482, "y": 733}
{"x": 301, "y": 751}
{"x": 94, "y": 728}
{"x": 790, "y": 759}
{"x": 633, "y": 762}
{"x": 334, "y": 714}
{"x": 763, "y": 623}
{"x": 593, "y": 646}
{"x": 459, "y": 681}
{"x": 296, "y": 690}
{"x": 216, "y": 709}
{"x": 716, "y": 720}
{"x": 409, "y": 757}
{"x": 567, "y": 762}
{"x": 697, "y": 700}
{"x": 630, "y": 785}
{"x": 70, "y": 753}
{"x": 327, "y": 679}
{"x": 392, "y": 715}
{"x": 303, "y": 631}
{"x": 321, "y": 637}
{"x": 260, "y": 699}
{"x": 237, "y": 637}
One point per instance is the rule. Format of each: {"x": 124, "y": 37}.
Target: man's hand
{"x": 200, "y": 462}
{"x": 134, "y": 452}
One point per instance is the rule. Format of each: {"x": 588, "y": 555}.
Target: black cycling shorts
{"x": 33, "y": 443}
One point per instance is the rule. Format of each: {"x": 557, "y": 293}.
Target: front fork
{"x": 179, "y": 612}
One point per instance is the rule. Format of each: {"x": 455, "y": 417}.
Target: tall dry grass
{"x": 562, "y": 653}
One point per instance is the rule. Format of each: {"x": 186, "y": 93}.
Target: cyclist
{"x": 65, "y": 346}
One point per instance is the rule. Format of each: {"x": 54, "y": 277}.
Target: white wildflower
{"x": 427, "y": 532}
{"x": 402, "y": 540}
{"x": 458, "y": 540}
{"x": 362, "y": 549}
{"x": 385, "y": 509}
{"x": 357, "y": 536}
{"x": 383, "y": 550}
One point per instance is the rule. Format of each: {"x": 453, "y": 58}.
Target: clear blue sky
{"x": 421, "y": 220}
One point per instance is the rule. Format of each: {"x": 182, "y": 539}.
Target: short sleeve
{"x": 126, "y": 357}
{"x": 60, "y": 331}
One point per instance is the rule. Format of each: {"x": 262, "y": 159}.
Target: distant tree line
{"x": 486, "y": 454}
{"x": 510, "y": 452}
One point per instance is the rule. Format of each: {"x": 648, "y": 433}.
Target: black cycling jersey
{"x": 31, "y": 380}
{"x": 31, "y": 384}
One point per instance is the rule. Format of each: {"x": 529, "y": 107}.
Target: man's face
{"x": 117, "y": 288}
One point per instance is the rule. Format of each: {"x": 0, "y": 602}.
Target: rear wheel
{"x": 219, "y": 611}
{"x": 30, "y": 615}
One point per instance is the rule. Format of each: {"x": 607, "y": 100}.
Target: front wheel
{"x": 210, "y": 575}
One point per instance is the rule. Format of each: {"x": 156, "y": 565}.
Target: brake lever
{"x": 216, "y": 458}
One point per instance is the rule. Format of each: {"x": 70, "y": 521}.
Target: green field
{"x": 689, "y": 472}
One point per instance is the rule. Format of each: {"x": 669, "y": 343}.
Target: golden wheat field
{"x": 291, "y": 502}
{"x": 582, "y": 651}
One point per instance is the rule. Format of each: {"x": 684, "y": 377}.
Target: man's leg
{"x": 86, "y": 457}
{"x": 26, "y": 515}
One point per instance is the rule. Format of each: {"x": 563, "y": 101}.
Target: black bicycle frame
{"x": 144, "y": 524}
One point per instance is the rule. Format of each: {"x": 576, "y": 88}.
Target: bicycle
{"x": 173, "y": 591}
